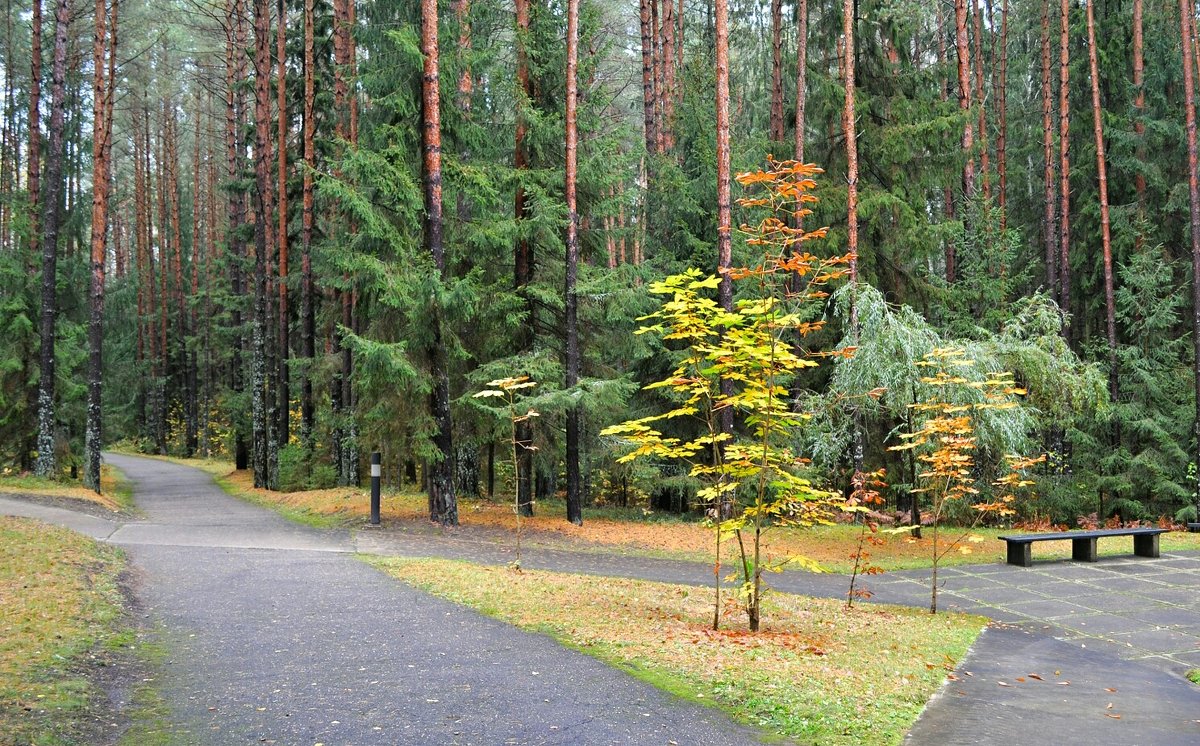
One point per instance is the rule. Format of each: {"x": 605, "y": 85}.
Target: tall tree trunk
{"x": 850, "y": 130}
{"x": 668, "y": 78}
{"x": 443, "y": 506}
{"x": 193, "y": 385}
{"x": 1189, "y": 103}
{"x": 183, "y": 380}
{"x": 776, "y": 130}
{"x": 102, "y": 96}
{"x": 283, "y": 427}
{"x": 724, "y": 206}
{"x": 339, "y": 403}
{"x": 801, "y": 78}
{"x": 1139, "y": 108}
{"x": 964, "y": 98}
{"x": 984, "y": 174}
{"x": 650, "y": 131}
{"x": 1064, "y": 173}
{"x": 466, "y": 85}
{"x": 46, "y": 465}
{"x": 571, "y": 301}
{"x": 34, "y": 159}
{"x": 307, "y": 311}
{"x": 951, "y": 257}
{"x": 262, "y": 135}
{"x": 1110, "y": 323}
{"x": 1002, "y": 106}
{"x": 523, "y": 260}
{"x": 234, "y": 75}
{"x": 1049, "y": 180}
{"x": 656, "y": 30}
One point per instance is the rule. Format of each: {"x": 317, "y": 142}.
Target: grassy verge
{"x": 60, "y": 617}
{"x": 633, "y": 531}
{"x": 818, "y": 672}
{"x": 116, "y": 494}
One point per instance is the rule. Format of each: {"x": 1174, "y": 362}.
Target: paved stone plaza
{"x": 1132, "y": 607}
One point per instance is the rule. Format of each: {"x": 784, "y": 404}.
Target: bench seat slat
{"x": 1083, "y": 543}
{"x": 1099, "y": 534}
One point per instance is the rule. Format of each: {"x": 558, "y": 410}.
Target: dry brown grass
{"x": 114, "y": 493}
{"x": 818, "y": 673}
{"x": 58, "y": 598}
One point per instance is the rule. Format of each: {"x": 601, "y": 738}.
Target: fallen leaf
{"x": 1004, "y": 683}
{"x": 1063, "y": 683}
{"x": 1109, "y": 706}
{"x": 1020, "y": 679}
{"x": 1111, "y": 715}
{"x": 1109, "y": 689}
{"x": 1035, "y": 676}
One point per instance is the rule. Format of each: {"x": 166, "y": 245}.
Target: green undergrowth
{"x": 817, "y": 673}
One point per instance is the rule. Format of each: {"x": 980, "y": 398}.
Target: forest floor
{"x": 116, "y": 493}
{"x": 637, "y": 532}
{"x": 64, "y": 634}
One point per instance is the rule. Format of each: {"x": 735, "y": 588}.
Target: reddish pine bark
{"x": 236, "y": 207}
{"x": 1002, "y": 106}
{"x": 283, "y": 427}
{"x": 103, "y": 45}
{"x": 650, "y": 131}
{"x": 523, "y": 252}
{"x": 262, "y": 136}
{"x": 776, "y": 130}
{"x": 724, "y": 205}
{"x": 668, "y": 68}
{"x": 1064, "y": 173}
{"x": 571, "y": 301}
{"x": 947, "y": 190}
{"x": 1189, "y": 98}
{"x": 443, "y": 506}
{"x": 1139, "y": 107}
{"x": 1049, "y": 233}
{"x": 34, "y": 162}
{"x": 964, "y": 101}
{"x": 984, "y": 173}
{"x": 1110, "y": 323}
{"x": 307, "y": 301}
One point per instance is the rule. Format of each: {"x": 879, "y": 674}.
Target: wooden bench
{"x": 1083, "y": 543}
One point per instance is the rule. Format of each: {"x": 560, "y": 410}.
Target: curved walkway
{"x": 275, "y": 635}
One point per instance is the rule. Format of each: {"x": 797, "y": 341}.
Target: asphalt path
{"x": 275, "y": 635}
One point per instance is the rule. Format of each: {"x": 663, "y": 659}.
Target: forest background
{"x": 292, "y": 233}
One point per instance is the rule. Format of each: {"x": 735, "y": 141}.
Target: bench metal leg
{"x": 1020, "y": 554}
{"x": 1084, "y": 550}
{"x": 1146, "y": 546}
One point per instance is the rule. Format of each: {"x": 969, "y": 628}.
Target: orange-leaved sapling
{"x": 758, "y": 348}
{"x": 943, "y": 435}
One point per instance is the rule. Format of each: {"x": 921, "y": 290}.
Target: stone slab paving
{"x": 1133, "y": 607}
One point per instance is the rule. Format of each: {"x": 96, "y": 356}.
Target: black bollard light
{"x": 375, "y": 472}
